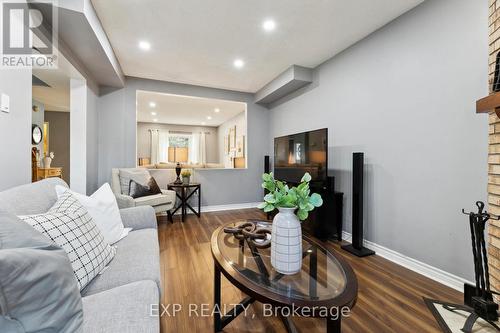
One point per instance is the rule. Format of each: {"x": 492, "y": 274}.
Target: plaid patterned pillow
{"x": 69, "y": 225}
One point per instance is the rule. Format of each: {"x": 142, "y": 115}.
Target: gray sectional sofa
{"x": 121, "y": 297}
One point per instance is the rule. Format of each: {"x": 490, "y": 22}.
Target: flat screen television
{"x": 299, "y": 153}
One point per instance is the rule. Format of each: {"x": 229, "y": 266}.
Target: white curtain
{"x": 194, "y": 147}
{"x": 202, "y": 153}
{"x": 198, "y": 148}
{"x": 163, "y": 146}
{"x": 154, "y": 146}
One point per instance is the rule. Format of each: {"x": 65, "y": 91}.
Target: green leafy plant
{"x": 186, "y": 173}
{"x": 280, "y": 195}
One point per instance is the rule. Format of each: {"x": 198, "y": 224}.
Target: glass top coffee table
{"x": 324, "y": 287}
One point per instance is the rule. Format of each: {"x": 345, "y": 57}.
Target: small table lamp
{"x": 178, "y": 155}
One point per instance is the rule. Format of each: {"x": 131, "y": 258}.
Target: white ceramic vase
{"x": 286, "y": 242}
{"x": 46, "y": 162}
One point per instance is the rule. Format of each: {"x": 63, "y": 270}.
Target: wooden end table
{"x": 187, "y": 191}
{"x": 326, "y": 280}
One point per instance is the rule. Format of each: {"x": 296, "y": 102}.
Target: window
{"x": 179, "y": 148}
{"x": 180, "y": 141}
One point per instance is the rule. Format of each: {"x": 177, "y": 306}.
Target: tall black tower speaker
{"x": 356, "y": 247}
{"x": 267, "y": 169}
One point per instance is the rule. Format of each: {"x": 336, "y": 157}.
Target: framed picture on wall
{"x": 240, "y": 146}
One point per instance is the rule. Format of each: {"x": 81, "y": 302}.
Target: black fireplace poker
{"x": 478, "y": 299}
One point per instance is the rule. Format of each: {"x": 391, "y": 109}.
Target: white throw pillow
{"x": 140, "y": 176}
{"x": 103, "y": 209}
{"x": 69, "y": 225}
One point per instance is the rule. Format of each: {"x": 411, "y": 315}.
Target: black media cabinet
{"x": 325, "y": 222}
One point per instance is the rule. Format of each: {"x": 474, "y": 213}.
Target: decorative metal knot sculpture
{"x": 251, "y": 232}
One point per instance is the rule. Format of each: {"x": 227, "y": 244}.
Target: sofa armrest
{"x": 124, "y": 201}
{"x": 170, "y": 194}
{"x": 142, "y": 217}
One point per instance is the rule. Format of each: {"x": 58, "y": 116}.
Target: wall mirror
{"x": 198, "y": 133}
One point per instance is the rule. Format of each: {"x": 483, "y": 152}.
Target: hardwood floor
{"x": 389, "y": 298}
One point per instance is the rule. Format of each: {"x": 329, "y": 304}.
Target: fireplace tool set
{"x": 478, "y": 299}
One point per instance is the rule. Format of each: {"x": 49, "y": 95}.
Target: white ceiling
{"x": 185, "y": 110}
{"x": 57, "y": 96}
{"x": 196, "y": 41}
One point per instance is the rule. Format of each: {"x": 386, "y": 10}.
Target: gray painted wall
{"x": 92, "y": 141}
{"x": 15, "y": 128}
{"x": 117, "y": 140}
{"x": 144, "y": 138}
{"x": 59, "y": 140}
{"x": 406, "y": 97}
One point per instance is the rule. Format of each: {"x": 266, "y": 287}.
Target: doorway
{"x": 57, "y": 106}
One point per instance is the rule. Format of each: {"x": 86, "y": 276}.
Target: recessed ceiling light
{"x": 155, "y": 120}
{"x": 238, "y": 63}
{"x": 153, "y": 113}
{"x": 144, "y": 45}
{"x": 269, "y": 25}
{"x": 203, "y": 123}
{"x": 216, "y": 110}
{"x": 152, "y": 104}
{"x": 209, "y": 117}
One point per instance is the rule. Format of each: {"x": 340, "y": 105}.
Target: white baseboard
{"x": 429, "y": 271}
{"x": 216, "y": 208}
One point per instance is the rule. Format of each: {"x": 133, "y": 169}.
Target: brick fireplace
{"x": 494, "y": 152}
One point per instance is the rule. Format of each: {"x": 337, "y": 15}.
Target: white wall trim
{"x": 216, "y": 208}
{"x": 429, "y": 271}
{"x": 78, "y": 135}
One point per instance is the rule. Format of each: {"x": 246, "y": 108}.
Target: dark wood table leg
{"x": 199, "y": 201}
{"x": 313, "y": 272}
{"x": 217, "y": 300}
{"x": 222, "y": 320}
{"x": 179, "y": 206}
{"x": 333, "y": 325}
{"x": 287, "y": 322}
{"x": 188, "y": 206}
{"x": 183, "y": 203}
